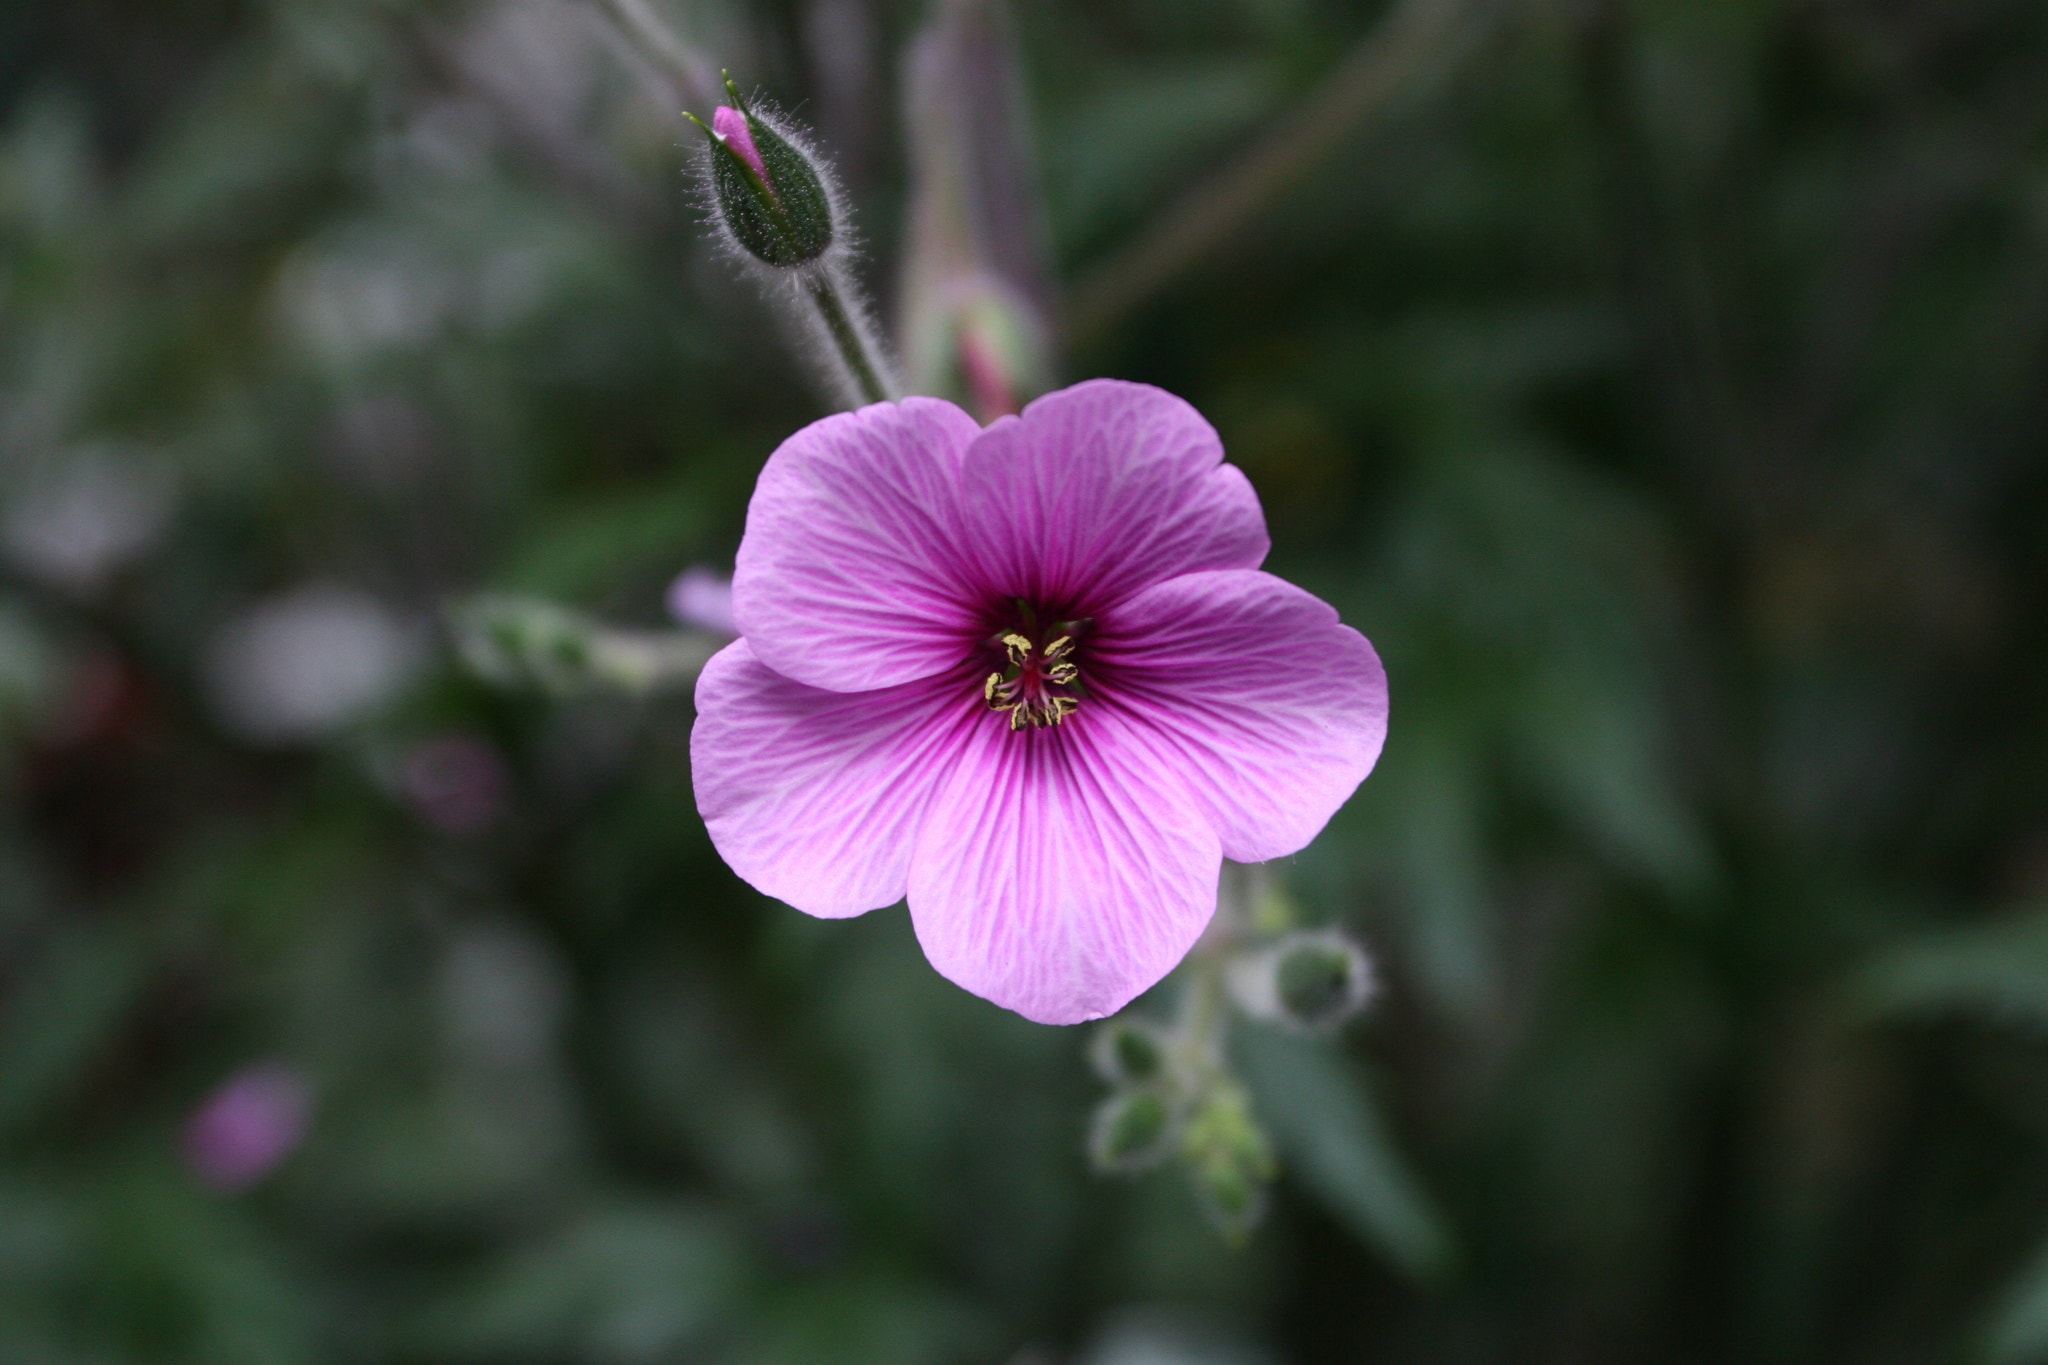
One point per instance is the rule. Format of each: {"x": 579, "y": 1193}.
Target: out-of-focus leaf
{"x": 1106, "y": 158}
{"x": 633, "y": 1282}
{"x": 175, "y": 1276}
{"x": 584, "y": 549}
{"x": 1436, "y": 810}
{"x": 70, "y": 1000}
{"x": 28, "y": 668}
{"x": 1591, "y": 737}
{"x": 868, "y": 1319}
{"x": 1996, "y": 972}
{"x": 1336, "y": 1142}
{"x": 2017, "y": 1333}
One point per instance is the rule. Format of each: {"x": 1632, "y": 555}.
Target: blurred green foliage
{"x": 1659, "y": 387}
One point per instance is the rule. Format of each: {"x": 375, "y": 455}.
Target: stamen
{"x": 1023, "y": 690}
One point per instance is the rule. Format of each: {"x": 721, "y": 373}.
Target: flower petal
{"x": 1269, "y": 709}
{"x": 847, "y": 577}
{"x": 815, "y": 797}
{"x": 1061, "y": 872}
{"x": 1100, "y": 490}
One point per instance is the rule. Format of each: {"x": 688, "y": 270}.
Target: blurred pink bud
{"x": 701, "y": 597}
{"x": 731, "y": 125}
{"x": 987, "y": 376}
{"x": 244, "y": 1129}
{"x": 455, "y": 783}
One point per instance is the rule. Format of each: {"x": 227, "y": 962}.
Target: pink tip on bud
{"x": 245, "y": 1128}
{"x": 702, "y": 597}
{"x": 731, "y": 127}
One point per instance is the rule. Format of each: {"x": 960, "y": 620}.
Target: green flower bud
{"x": 1131, "y": 1131}
{"x": 523, "y": 642}
{"x": 1230, "y": 1160}
{"x": 1312, "y": 980}
{"x": 770, "y": 194}
{"x": 1128, "y": 1052}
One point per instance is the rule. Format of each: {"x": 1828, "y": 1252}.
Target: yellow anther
{"x": 1018, "y": 718}
{"x": 988, "y": 690}
{"x": 1059, "y": 708}
{"x": 1063, "y": 673}
{"x": 1019, "y": 647}
{"x": 1060, "y": 646}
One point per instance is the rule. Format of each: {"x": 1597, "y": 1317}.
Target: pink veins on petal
{"x": 731, "y": 126}
{"x": 1030, "y": 677}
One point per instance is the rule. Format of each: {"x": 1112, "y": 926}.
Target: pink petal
{"x": 1267, "y": 708}
{"x": 847, "y": 576}
{"x": 815, "y": 797}
{"x": 731, "y": 125}
{"x": 1061, "y": 872}
{"x": 1100, "y": 490}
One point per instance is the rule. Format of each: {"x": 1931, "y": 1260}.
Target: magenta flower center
{"x": 1038, "y": 679}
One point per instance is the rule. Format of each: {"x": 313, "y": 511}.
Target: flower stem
{"x": 1410, "y": 42}
{"x": 847, "y": 339}
{"x": 684, "y": 70}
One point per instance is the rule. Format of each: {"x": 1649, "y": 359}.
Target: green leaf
{"x": 1337, "y": 1144}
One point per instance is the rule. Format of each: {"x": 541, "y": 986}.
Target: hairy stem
{"x": 847, "y": 339}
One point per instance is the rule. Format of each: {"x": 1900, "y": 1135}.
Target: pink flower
{"x": 1030, "y": 676}
{"x": 245, "y": 1128}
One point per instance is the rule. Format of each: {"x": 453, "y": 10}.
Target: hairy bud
{"x": 1128, "y": 1052}
{"x": 768, "y": 191}
{"x": 775, "y": 205}
{"x": 1230, "y": 1160}
{"x": 1311, "y": 980}
{"x": 1132, "y": 1130}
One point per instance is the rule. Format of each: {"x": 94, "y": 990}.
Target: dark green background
{"x": 1659, "y": 385}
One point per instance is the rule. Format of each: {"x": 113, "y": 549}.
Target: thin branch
{"x": 1411, "y": 40}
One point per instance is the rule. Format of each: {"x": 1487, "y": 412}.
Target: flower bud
{"x": 1311, "y": 981}
{"x": 1131, "y": 1131}
{"x": 769, "y": 193}
{"x": 701, "y": 598}
{"x": 1128, "y": 1052}
{"x": 1230, "y": 1159}
{"x": 523, "y": 642}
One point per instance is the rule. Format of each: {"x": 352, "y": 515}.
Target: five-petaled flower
{"x": 1030, "y": 676}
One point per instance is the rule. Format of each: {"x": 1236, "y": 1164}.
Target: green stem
{"x": 672, "y": 60}
{"x": 867, "y": 376}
